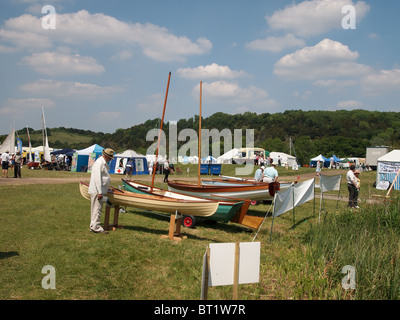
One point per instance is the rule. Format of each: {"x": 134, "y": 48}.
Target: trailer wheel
{"x": 189, "y": 221}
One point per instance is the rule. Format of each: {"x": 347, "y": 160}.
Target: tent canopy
{"x": 285, "y": 158}
{"x": 227, "y": 157}
{"x": 129, "y": 154}
{"x": 139, "y": 163}
{"x": 319, "y": 158}
{"x": 335, "y": 159}
{"x": 63, "y": 151}
{"x": 209, "y": 159}
{"x": 393, "y": 156}
{"x": 92, "y": 149}
{"x": 388, "y": 168}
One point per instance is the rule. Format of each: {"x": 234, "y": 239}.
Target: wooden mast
{"x": 159, "y": 134}
{"x": 199, "y": 163}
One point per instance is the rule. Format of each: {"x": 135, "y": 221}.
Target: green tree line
{"x": 343, "y": 133}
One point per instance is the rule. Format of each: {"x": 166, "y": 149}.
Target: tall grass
{"x": 368, "y": 240}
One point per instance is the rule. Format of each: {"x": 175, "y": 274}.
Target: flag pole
{"x": 159, "y": 133}
{"x": 199, "y": 163}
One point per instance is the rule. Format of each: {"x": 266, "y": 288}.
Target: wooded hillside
{"x": 343, "y": 133}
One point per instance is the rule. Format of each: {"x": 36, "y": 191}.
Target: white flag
{"x": 330, "y": 183}
{"x": 294, "y": 196}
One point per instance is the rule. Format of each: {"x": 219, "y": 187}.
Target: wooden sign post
{"x": 236, "y": 272}
{"x": 230, "y": 264}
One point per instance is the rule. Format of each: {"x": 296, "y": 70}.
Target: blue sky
{"x": 105, "y": 65}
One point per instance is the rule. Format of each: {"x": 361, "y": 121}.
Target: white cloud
{"x": 229, "y": 92}
{"x": 275, "y": 44}
{"x": 83, "y": 28}
{"x": 69, "y": 89}
{"x": 314, "y": 17}
{"x": 122, "y": 55}
{"x": 210, "y": 71}
{"x": 327, "y": 59}
{"x": 56, "y": 63}
{"x": 384, "y": 81}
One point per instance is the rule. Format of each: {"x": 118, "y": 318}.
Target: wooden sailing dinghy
{"x": 227, "y": 181}
{"x": 227, "y": 210}
{"x": 266, "y": 191}
{"x": 248, "y": 192}
{"x": 156, "y": 203}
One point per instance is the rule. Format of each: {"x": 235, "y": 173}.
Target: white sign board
{"x": 222, "y": 260}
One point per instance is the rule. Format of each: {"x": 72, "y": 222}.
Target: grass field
{"x": 48, "y": 224}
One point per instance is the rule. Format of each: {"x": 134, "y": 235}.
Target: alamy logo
{"x": 349, "y": 20}
{"x": 49, "y": 20}
{"x": 190, "y": 148}
{"x": 349, "y": 281}
{"x": 49, "y": 281}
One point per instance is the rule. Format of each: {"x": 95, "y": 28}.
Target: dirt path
{"x": 116, "y": 181}
{"x": 117, "y": 178}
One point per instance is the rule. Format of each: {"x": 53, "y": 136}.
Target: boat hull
{"x": 243, "y": 182}
{"x": 225, "y": 212}
{"x": 248, "y": 192}
{"x": 33, "y": 165}
{"x": 156, "y": 203}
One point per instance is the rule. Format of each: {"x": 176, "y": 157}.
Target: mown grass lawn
{"x": 48, "y": 224}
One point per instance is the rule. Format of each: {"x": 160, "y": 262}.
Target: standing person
{"x": 352, "y": 187}
{"x": 258, "y": 174}
{"x": 129, "y": 168}
{"x": 167, "y": 171}
{"x": 98, "y": 187}
{"x": 318, "y": 170}
{"x": 357, "y": 174}
{"x": 270, "y": 174}
{"x": 5, "y": 160}
{"x": 17, "y": 165}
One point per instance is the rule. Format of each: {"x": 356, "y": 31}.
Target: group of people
{"x": 353, "y": 185}
{"x": 14, "y": 162}
{"x": 263, "y": 161}
{"x": 269, "y": 174}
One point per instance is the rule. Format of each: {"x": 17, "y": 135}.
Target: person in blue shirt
{"x": 270, "y": 174}
{"x": 129, "y": 169}
{"x": 259, "y": 173}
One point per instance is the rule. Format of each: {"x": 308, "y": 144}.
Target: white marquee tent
{"x": 227, "y": 157}
{"x": 285, "y": 158}
{"x": 388, "y": 167}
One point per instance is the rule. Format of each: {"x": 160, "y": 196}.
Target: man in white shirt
{"x": 352, "y": 187}
{"x": 98, "y": 187}
{"x": 5, "y": 159}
